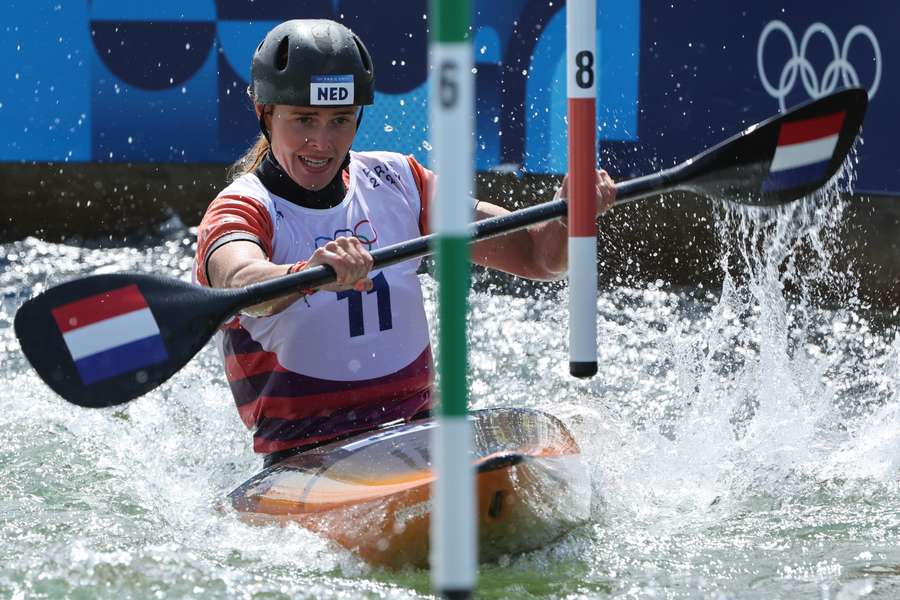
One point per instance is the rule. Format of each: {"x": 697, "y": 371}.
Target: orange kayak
{"x": 371, "y": 493}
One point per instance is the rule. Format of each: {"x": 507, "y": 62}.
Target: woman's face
{"x": 310, "y": 142}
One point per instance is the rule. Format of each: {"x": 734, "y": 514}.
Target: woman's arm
{"x": 540, "y": 251}
{"x": 241, "y": 263}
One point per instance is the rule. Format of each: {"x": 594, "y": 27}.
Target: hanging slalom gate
{"x": 451, "y": 98}
{"x": 581, "y": 83}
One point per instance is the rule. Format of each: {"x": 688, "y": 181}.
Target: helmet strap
{"x": 263, "y": 128}
{"x": 265, "y": 131}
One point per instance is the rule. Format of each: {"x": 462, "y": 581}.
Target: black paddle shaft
{"x": 740, "y": 170}
{"x": 735, "y": 170}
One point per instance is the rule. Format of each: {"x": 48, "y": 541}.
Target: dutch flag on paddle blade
{"x": 110, "y": 334}
{"x": 803, "y": 153}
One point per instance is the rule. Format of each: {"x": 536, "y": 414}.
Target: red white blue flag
{"x": 804, "y": 151}
{"x": 110, "y": 334}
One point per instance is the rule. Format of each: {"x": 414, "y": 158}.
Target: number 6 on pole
{"x": 581, "y": 20}
{"x": 454, "y": 547}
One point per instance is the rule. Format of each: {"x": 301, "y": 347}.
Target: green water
{"x": 741, "y": 443}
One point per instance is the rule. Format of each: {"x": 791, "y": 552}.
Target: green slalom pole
{"x": 451, "y": 99}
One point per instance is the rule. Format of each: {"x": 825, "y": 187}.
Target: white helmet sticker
{"x": 327, "y": 90}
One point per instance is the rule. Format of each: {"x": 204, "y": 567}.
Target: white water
{"x": 742, "y": 444}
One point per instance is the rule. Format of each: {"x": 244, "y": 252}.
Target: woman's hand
{"x": 605, "y": 189}
{"x": 349, "y": 259}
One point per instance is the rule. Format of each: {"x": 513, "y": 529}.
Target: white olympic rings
{"x": 839, "y": 69}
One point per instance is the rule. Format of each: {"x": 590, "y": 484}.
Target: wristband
{"x": 299, "y": 266}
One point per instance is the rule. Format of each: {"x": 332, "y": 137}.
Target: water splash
{"x": 752, "y": 408}
{"x": 743, "y": 443}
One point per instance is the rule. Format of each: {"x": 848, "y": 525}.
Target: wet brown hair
{"x": 251, "y": 158}
{"x": 255, "y": 153}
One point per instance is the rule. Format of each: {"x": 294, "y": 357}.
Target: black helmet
{"x": 312, "y": 62}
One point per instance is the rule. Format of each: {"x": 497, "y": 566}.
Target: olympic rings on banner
{"x": 839, "y": 70}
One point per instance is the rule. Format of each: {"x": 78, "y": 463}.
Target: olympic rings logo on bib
{"x": 363, "y": 231}
{"x": 838, "y": 70}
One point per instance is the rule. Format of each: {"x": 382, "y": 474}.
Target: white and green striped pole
{"x": 581, "y": 26}
{"x": 451, "y": 97}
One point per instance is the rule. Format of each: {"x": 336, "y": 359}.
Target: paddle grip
{"x": 396, "y": 253}
{"x": 320, "y": 275}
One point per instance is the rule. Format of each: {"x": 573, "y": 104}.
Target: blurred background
{"x": 119, "y": 115}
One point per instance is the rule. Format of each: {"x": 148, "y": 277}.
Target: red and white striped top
{"x": 331, "y": 363}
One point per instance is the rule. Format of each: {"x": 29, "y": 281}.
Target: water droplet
{"x": 388, "y": 128}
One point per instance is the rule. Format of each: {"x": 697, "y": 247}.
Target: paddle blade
{"x": 107, "y": 339}
{"x": 783, "y": 158}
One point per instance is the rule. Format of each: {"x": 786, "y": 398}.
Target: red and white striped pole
{"x": 581, "y": 26}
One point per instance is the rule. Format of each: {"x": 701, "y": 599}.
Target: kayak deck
{"x": 371, "y": 493}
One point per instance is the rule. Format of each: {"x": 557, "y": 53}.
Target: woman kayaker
{"x": 321, "y": 364}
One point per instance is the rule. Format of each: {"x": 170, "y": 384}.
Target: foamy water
{"x": 742, "y": 443}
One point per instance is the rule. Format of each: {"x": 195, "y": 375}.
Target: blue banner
{"x": 165, "y": 81}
